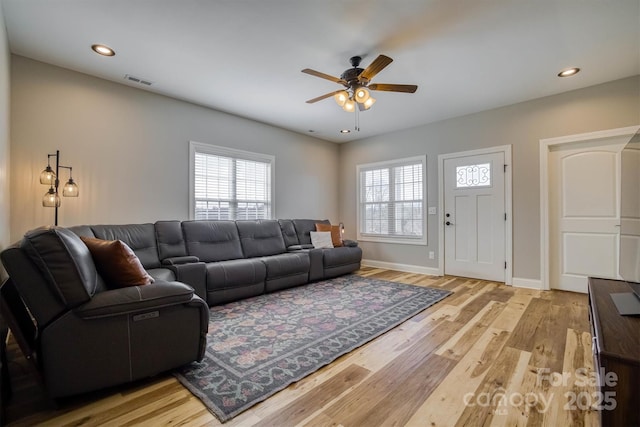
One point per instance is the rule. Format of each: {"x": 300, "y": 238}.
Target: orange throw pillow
{"x": 336, "y": 238}
{"x": 117, "y": 263}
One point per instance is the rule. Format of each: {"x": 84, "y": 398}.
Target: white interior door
{"x": 630, "y": 213}
{"x": 474, "y": 215}
{"x": 584, "y": 213}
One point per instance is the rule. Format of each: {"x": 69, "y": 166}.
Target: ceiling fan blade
{"x": 323, "y": 76}
{"x": 375, "y": 67}
{"x": 320, "y": 98}
{"x": 393, "y": 88}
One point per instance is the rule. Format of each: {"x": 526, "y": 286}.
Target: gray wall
{"x": 611, "y": 105}
{"x": 129, "y": 151}
{"x": 5, "y": 237}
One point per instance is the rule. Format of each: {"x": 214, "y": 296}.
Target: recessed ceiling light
{"x": 345, "y": 131}
{"x": 103, "y": 50}
{"x": 568, "y": 72}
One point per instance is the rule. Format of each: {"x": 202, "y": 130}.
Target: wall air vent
{"x": 137, "y": 80}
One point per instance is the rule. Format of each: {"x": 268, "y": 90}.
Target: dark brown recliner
{"x": 86, "y": 336}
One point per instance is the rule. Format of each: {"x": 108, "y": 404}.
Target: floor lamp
{"x": 50, "y": 177}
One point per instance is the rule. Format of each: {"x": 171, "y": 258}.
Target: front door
{"x": 474, "y": 215}
{"x": 584, "y": 213}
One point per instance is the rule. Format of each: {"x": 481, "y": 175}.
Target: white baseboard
{"x": 417, "y": 269}
{"x": 526, "y": 283}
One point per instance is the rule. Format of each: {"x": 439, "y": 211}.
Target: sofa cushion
{"x": 304, "y": 227}
{"x": 261, "y": 238}
{"x": 286, "y": 270}
{"x": 235, "y": 273}
{"x": 286, "y": 264}
{"x": 141, "y": 238}
{"x": 341, "y": 256}
{"x": 288, "y": 232}
{"x": 116, "y": 263}
{"x": 336, "y": 236}
{"x": 212, "y": 240}
{"x": 170, "y": 239}
{"x": 64, "y": 261}
{"x": 162, "y": 294}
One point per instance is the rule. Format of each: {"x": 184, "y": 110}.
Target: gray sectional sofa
{"x": 226, "y": 261}
{"x": 85, "y": 335}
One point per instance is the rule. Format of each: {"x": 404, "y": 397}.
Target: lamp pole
{"x": 57, "y": 183}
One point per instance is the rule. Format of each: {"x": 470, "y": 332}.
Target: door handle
{"x": 448, "y": 223}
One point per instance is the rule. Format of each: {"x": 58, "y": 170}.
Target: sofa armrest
{"x": 133, "y": 299}
{"x": 350, "y": 243}
{"x": 178, "y": 260}
{"x": 193, "y": 274}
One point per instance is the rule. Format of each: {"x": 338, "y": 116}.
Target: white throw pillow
{"x": 321, "y": 239}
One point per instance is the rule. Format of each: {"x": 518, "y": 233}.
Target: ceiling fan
{"x": 357, "y": 82}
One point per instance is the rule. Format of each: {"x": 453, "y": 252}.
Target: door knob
{"x": 448, "y": 223}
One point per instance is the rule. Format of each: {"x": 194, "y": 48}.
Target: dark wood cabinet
{"x": 616, "y": 349}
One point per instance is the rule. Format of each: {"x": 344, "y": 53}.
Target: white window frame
{"x": 392, "y": 238}
{"x": 216, "y": 150}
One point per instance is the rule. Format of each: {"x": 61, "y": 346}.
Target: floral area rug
{"x": 258, "y": 346}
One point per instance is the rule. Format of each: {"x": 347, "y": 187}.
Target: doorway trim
{"x": 508, "y": 232}
{"x": 545, "y": 148}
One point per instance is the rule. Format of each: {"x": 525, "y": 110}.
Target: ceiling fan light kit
{"x": 349, "y": 106}
{"x": 341, "y": 97}
{"x": 369, "y": 102}
{"x": 348, "y": 100}
{"x": 361, "y": 95}
{"x": 357, "y": 83}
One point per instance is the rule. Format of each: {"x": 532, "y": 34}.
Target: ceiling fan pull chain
{"x": 357, "y": 120}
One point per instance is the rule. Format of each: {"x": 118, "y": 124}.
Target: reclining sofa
{"x": 86, "y": 336}
{"x": 226, "y": 261}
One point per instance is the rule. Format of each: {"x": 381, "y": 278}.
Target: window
{"x": 473, "y": 176}
{"x": 391, "y": 206}
{"x": 230, "y": 184}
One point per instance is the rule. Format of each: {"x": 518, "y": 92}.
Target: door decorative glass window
{"x": 473, "y": 176}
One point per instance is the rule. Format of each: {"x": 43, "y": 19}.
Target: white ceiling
{"x": 244, "y": 56}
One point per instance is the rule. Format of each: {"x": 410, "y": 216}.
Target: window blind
{"x": 391, "y": 199}
{"x": 227, "y": 187}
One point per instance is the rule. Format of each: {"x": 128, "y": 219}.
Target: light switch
{"x": 433, "y": 210}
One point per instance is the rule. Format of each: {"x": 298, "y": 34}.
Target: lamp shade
{"x": 341, "y": 97}
{"x": 70, "y": 189}
{"x": 47, "y": 176}
{"x": 349, "y": 106}
{"x": 361, "y": 95}
{"x": 369, "y": 102}
{"x": 51, "y": 199}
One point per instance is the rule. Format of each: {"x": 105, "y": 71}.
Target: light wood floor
{"x": 447, "y": 366}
